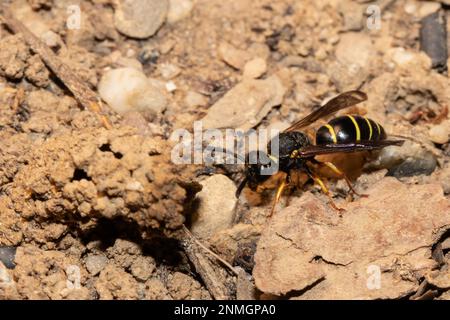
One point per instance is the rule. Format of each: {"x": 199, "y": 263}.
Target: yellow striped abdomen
{"x": 348, "y": 129}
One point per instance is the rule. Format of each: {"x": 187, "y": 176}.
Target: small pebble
{"x": 95, "y": 263}
{"x": 137, "y": 121}
{"x": 130, "y": 63}
{"x": 5, "y": 277}
{"x": 353, "y": 15}
{"x": 428, "y": 7}
{"x": 433, "y": 39}
{"x": 216, "y": 206}
{"x": 140, "y": 18}
{"x": 410, "y": 8}
{"x": 128, "y": 89}
{"x": 414, "y": 167}
{"x": 401, "y": 56}
{"x": 7, "y": 256}
{"x": 410, "y": 159}
{"x": 52, "y": 39}
{"x": 169, "y": 71}
{"x": 233, "y": 56}
{"x": 143, "y": 267}
{"x": 195, "y": 99}
{"x": 255, "y": 68}
{"x": 171, "y": 86}
{"x": 440, "y": 133}
{"x": 179, "y": 9}
{"x": 408, "y": 59}
{"x": 134, "y": 186}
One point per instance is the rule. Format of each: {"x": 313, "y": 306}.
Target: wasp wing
{"x": 342, "y": 101}
{"x": 313, "y": 150}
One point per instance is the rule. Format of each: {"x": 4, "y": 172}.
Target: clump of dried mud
{"x": 91, "y": 213}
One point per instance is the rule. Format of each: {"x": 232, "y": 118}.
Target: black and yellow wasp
{"x": 348, "y": 133}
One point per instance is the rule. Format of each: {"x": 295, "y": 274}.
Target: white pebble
{"x": 134, "y": 186}
{"x": 128, "y": 89}
{"x": 171, "y": 86}
{"x": 440, "y": 133}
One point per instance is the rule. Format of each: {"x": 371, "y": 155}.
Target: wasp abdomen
{"x": 347, "y": 129}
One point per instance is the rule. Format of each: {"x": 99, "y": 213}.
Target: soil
{"x": 94, "y": 213}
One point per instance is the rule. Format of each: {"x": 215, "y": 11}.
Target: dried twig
{"x": 429, "y": 295}
{"x": 420, "y": 291}
{"x": 204, "y": 267}
{"x": 224, "y": 262}
{"x": 85, "y": 96}
{"x": 18, "y": 99}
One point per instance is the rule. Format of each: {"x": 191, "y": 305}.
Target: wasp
{"x": 350, "y": 133}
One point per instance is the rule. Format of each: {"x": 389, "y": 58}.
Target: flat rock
{"x": 354, "y": 54}
{"x": 233, "y": 56}
{"x": 440, "y": 279}
{"x": 255, "y": 68}
{"x": 96, "y": 263}
{"x": 140, "y": 18}
{"x": 216, "y": 206}
{"x": 246, "y": 104}
{"x": 308, "y": 247}
{"x": 353, "y": 14}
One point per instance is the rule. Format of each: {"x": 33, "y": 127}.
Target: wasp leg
{"x": 325, "y": 190}
{"x": 289, "y": 194}
{"x": 280, "y": 190}
{"x": 341, "y": 174}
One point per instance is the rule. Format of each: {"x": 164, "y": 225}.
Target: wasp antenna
{"x": 241, "y": 187}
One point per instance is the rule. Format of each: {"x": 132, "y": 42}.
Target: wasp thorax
{"x": 285, "y": 143}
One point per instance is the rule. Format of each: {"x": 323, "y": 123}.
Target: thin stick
{"x": 84, "y": 95}
{"x": 191, "y": 236}
{"x": 203, "y": 266}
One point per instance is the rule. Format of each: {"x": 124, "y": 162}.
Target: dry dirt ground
{"x": 94, "y": 213}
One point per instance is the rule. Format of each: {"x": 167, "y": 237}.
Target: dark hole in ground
{"x": 107, "y": 148}
{"x": 80, "y": 174}
{"x": 164, "y": 250}
{"x": 39, "y": 196}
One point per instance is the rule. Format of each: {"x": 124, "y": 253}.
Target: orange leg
{"x": 341, "y": 175}
{"x": 325, "y": 190}
{"x": 280, "y": 190}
